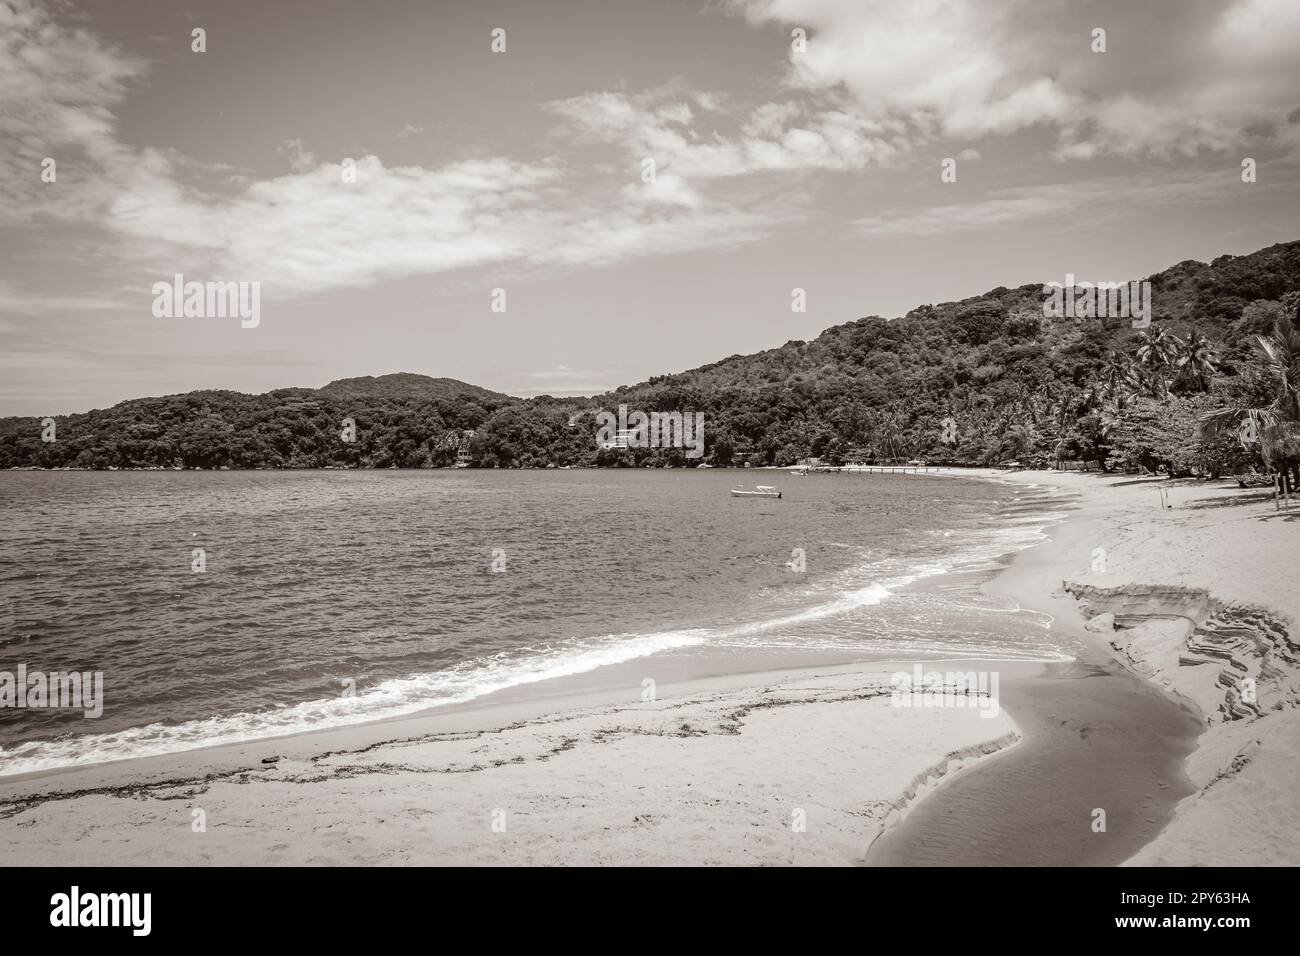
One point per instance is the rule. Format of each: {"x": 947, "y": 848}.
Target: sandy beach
{"x": 802, "y": 765}
{"x": 768, "y": 769}
{"x": 1135, "y": 573}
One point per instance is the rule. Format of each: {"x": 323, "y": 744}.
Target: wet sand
{"x": 1094, "y": 737}
{"x": 1210, "y": 569}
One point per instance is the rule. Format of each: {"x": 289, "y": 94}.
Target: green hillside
{"x": 1012, "y": 383}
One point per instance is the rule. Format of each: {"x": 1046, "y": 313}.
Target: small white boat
{"x": 762, "y": 491}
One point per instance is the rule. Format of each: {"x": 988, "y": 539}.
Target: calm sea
{"x": 337, "y": 597}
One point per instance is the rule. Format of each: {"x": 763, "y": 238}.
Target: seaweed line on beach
{"x": 729, "y": 722}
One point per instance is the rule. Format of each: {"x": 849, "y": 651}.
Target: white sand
{"x": 1227, "y": 541}
{"x": 802, "y": 770}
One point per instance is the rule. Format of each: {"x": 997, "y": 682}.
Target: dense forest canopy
{"x": 983, "y": 380}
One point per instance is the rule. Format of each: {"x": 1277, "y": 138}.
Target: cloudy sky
{"x": 777, "y": 165}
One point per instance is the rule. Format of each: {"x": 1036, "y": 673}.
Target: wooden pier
{"x": 876, "y": 469}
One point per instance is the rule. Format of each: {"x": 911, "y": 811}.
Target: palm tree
{"x": 1156, "y": 349}
{"x": 893, "y": 423}
{"x": 1043, "y": 400}
{"x": 1065, "y": 411}
{"x": 1196, "y": 362}
{"x": 1112, "y": 415}
{"x": 887, "y": 431}
{"x": 1014, "y": 443}
{"x": 1153, "y": 382}
{"x": 1089, "y": 399}
{"x": 1277, "y": 425}
{"x": 1118, "y": 375}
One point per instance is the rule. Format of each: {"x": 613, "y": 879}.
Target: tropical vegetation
{"x": 1211, "y": 386}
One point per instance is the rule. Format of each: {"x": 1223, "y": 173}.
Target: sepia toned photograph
{"x": 673, "y": 433}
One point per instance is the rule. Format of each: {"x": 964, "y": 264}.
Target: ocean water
{"x": 336, "y": 597}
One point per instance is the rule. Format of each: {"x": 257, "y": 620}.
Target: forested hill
{"x": 407, "y": 386}
{"x": 401, "y": 419}
{"x": 1014, "y": 383}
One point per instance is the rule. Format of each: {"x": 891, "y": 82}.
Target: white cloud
{"x": 788, "y": 136}
{"x": 1178, "y": 77}
{"x": 877, "y": 78}
{"x": 57, "y": 90}
{"x": 300, "y": 158}
{"x": 310, "y": 230}
{"x": 676, "y": 113}
{"x": 939, "y": 64}
{"x": 664, "y": 188}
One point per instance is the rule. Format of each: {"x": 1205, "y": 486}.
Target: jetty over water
{"x": 909, "y": 469}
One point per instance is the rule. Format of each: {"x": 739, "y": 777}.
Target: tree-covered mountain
{"x": 407, "y": 386}
{"x": 1015, "y": 383}
{"x": 977, "y": 381}
{"x": 401, "y": 420}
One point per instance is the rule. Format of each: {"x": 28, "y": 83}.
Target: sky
{"x": 646, "y": 182}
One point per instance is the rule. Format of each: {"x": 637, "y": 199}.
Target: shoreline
{"x": 1131, "y": 576}
{"x": 1096, "y": 737}
{"x": 670, "y": 659}
{"x": 734, "y": 732}
{"x": 870, "y": 779}
{"x": 733, "y": 770}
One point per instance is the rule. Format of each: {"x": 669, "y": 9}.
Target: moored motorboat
{"x": 761, "y": 491}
